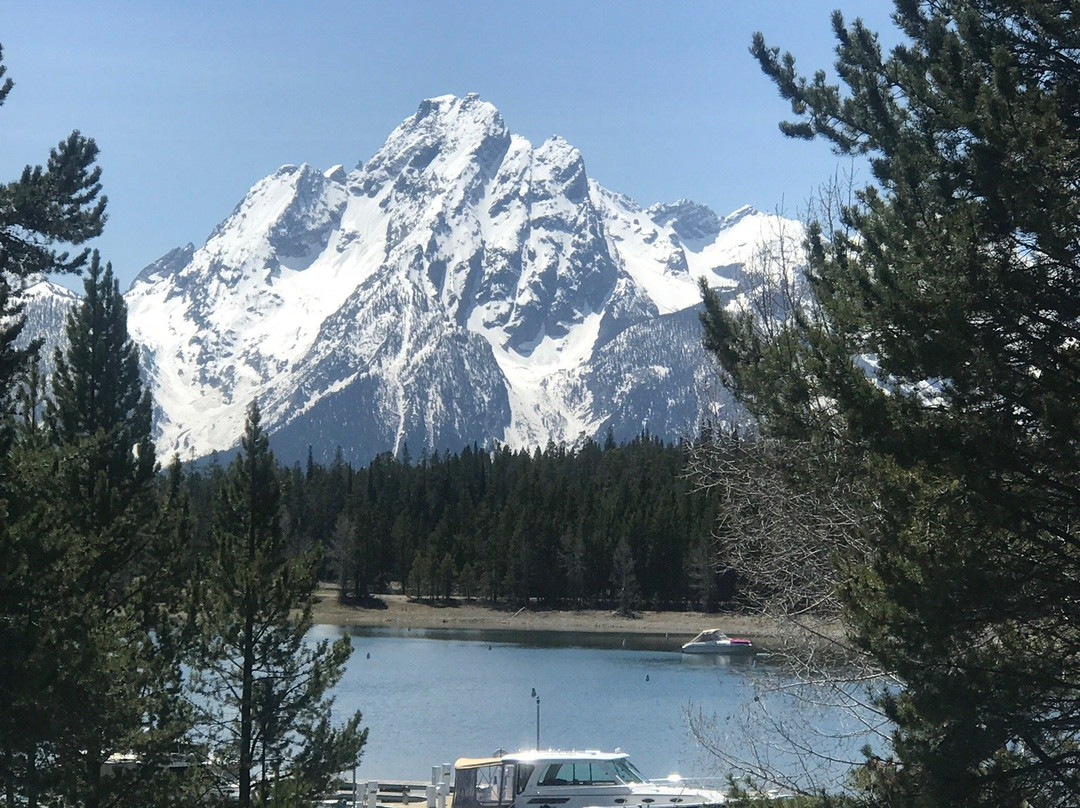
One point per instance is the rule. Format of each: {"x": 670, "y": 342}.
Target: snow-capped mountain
{"x": 463, "y": 285}
{"x": 47, "y": 307}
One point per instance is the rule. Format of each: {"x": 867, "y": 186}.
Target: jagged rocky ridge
{"x": 461, "y": 286}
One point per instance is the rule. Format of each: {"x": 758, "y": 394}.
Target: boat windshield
{"x": 591, "y": 773}
{"x": 710, "y": 635}
{"x": 578, "y": 773}
{"x": 626, "y": 772}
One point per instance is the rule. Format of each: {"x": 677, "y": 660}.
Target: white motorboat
{"x": 714, "y": 641}
{"x": 558, "y": 779}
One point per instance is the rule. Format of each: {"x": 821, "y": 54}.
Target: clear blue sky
{"x": 192, "y": 102}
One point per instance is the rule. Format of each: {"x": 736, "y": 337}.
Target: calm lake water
{"x": 431, "y": 696}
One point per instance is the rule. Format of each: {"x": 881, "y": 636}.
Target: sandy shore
{"x": 400, "y": 612}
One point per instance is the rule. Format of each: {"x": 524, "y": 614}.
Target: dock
{"x": 434, "y": 793}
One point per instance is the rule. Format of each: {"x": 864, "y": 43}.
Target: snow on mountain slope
{"x": 462, "y": 285}
{"x": 47, "y": 307}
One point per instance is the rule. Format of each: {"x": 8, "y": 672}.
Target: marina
{"x": 429, "y": 696}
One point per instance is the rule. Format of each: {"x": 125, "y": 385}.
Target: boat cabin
{"x": 563, "y": 780}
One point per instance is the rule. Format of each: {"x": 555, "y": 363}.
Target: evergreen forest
{"x": 596, "y": 526}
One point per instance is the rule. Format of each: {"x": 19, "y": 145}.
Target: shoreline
{"x": 403, "y": 613}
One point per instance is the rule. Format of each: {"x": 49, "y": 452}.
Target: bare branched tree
{"x": 814, "y": 697}
{"x": 780, "y": 538}
{"x": 789, "y": 513}
{"x": 787, "y": 508}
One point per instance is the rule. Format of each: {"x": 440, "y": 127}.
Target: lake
{"x": 431, "y": 696}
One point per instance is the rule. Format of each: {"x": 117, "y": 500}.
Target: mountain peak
{"x": 446, "y": 126}
{"x": 453, "y": 115}
{"x": 737, "y": 216}
{"x": 690, "y": 220}
{"x": 170, "y": 263}
{"x": 293, "y": 197}
{"x": 460, "y": 286}
{"x": 444, "y": 104}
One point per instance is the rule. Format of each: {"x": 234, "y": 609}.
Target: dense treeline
{"x": 555, "y": 527}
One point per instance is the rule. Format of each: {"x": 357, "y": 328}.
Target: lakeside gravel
{"x": 402, "y": 612}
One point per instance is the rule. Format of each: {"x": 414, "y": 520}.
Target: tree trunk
{"x": 246, "y": 695}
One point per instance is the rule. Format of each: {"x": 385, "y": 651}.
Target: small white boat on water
{"x": 559, "y": 779}
{"x": 714, "y": 641}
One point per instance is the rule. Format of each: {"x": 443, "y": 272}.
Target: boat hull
{"x": 714, "y": 641}
{"x": 716, "y": 648}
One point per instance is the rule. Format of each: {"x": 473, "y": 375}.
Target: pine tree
{"x": 93, "y": 657}
{"x": 99, "y": 404}
{"x": 261, "y": 680}
{"x": 55, "y": 204}
{"x": 118, "y": 690}
{"x": 343, "y": 553}
{"x": 45, "y": 208}
{"x": 624, "y": 579}
{"x": 957, "y": 274}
